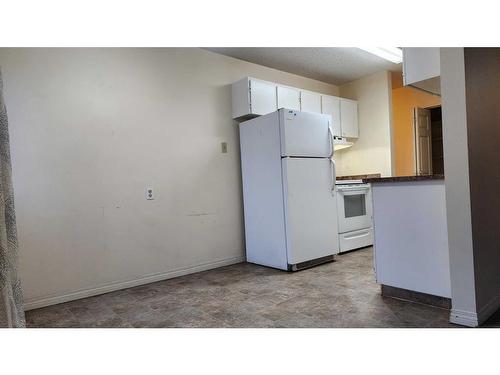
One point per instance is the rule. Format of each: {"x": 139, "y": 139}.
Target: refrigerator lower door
{"x": 310, "y": 209}
{"x": 305, "y": 134}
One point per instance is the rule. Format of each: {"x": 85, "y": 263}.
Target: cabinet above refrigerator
{"x": 253, "y": 97}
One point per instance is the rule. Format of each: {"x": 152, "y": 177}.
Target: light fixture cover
{"x": 392, "y": 54}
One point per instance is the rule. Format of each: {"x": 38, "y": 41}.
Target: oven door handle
{"x": 350, "y": 189}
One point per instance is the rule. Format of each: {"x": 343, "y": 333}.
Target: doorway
{"x": 428, "y": 132}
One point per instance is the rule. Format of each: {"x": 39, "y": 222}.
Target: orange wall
{"x": 404, "y": 99}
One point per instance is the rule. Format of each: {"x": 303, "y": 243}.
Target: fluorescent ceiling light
{"x": 393, "y": 54}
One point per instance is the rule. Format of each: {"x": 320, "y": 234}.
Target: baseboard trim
{"x": 53, "y": 300}
{"x": 464, "y": 318}
{"x": 488, "y": 310}
{"x": 472, "y": 319}
{"x": 418, "y": 297}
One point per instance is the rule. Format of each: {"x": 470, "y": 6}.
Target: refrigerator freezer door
{"x": 310, "y": 209}
{"x": 305, "y": 134}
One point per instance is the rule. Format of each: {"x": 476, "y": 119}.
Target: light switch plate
{"x": 223, "y": 147}
{"x": 150, "y": 194}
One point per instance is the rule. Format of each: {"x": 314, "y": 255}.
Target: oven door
{"x": 354, "y": 207}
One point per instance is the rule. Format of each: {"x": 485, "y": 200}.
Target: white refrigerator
{"x": 289, "y": 196}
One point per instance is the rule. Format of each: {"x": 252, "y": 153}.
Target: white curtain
{"x": 11, "y": 300}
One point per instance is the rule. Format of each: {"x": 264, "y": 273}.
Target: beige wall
{"x": 371, "y": 153}
{"x": 90, "y": 130}
{"x": 404, "y": 99}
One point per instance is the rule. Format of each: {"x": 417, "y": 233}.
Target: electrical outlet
{"x": 223, "y": 147}
{"x": 150, "y": 194}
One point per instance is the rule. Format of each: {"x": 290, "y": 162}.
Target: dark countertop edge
{"x": 358, "y": 176}
{"x": 404, "y": 178}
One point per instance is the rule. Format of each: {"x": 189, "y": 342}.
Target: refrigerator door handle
{"x": 334, "y": 171}
{"x": 330, "y": 136}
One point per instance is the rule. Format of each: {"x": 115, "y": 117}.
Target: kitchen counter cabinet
{"x": 410, "y": 234}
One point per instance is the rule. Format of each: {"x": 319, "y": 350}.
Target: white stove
{"x": 355, "y": 220}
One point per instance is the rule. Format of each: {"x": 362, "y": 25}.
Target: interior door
{"x": 310, "y": 208}
{"x": 262, "y": 97}
{"x": 423, "y": 141}
{"x": 288, "y": 98}
{"x": 330, "y": 105}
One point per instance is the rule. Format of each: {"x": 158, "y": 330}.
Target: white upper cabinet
{"x": 288, "y": 97}
{"x": 421, "y": 68}
{"x": 420, "y": 63}
{"x": 349, "y": 118}
{"x": 330, "y": 105}
{"x": 262, "y": 97}
{"x": 310, "y": 102}
{"x": 252, "y": 97}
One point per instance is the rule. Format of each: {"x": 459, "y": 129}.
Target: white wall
{"x": 456, "y": 170}
{"x": 90, "y": 130}
{"x": 371, "y": 153}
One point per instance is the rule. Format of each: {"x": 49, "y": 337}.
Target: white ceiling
{"x": 335, "y": 65}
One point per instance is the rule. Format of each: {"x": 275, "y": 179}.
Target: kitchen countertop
{"x": 359, "y": 176}
{"x": 403, "y": 178}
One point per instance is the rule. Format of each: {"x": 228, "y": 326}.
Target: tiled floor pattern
{"x": 338, "y": 294}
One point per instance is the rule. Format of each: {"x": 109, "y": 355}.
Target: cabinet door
{"x": 349, "y": 118}
{"x": 420, "y": 64}
{"x": 330, "y": 105}
{"x": 288, "y": 98}
{"x": 262, "y": 97}
{"x": 310, "y": 102}
{"x": 421, "y": 68}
